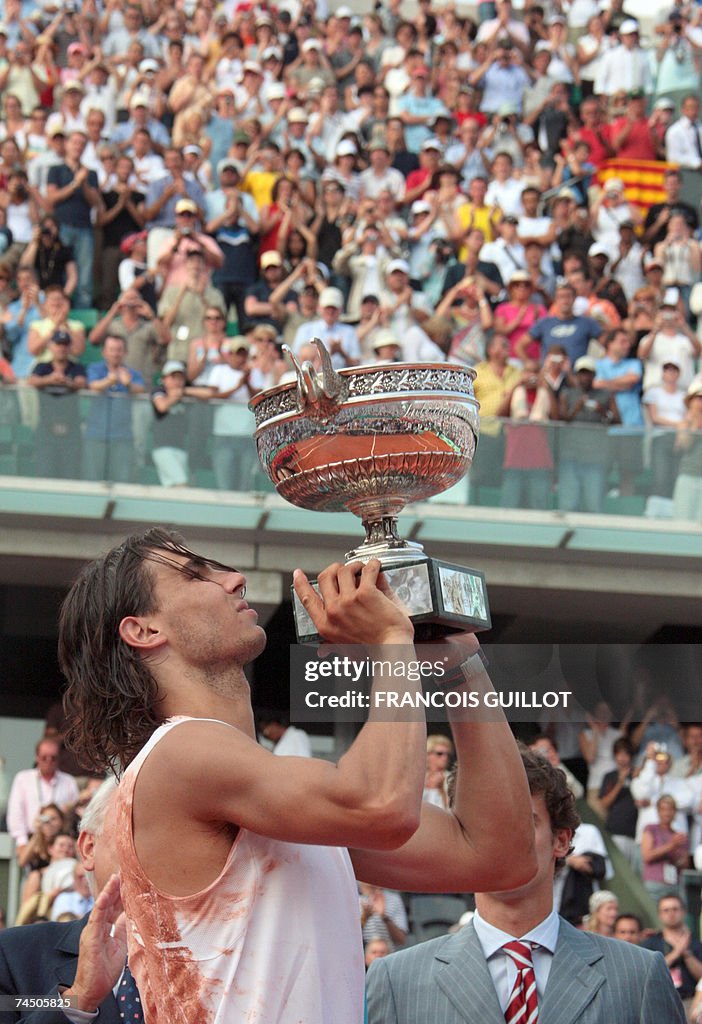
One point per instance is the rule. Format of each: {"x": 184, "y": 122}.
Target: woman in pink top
{"x": 664, "y": 852}
{"x": 514, "y": 317}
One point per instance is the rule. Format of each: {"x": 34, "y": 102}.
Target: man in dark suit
{"x": 78, "y": 960}
{"x": 578, "y": 977}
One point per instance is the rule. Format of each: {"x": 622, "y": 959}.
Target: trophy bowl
{"x": 370, "y": 440}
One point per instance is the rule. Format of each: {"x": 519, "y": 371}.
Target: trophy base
{"x": 441, "y": 597}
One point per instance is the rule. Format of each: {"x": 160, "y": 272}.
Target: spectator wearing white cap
{"x": 248, "y": 95}
{"x": 340, "y": 339}
{"x": 312, "y": 63}
{"x": 139, "y": 118}
{"x": 343, "y": 170}
{"x": 386, "y": 348}
{"x": 235, "y": 381}
{"x": 665, "y": 405}
{"x": 171, "y": 421}
{"x": 625, "y": 67}
{"x": 266, "y": 301}
{"x": 380, "y": 175}
{"x": 401, "y": 306}
{"x": 609, "y": 211}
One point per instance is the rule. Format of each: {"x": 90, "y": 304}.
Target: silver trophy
{"x": 370, "y": 440}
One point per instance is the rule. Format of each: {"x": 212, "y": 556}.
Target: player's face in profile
{"x": 203, "y": 611}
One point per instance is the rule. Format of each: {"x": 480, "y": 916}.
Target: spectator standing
{"x": 120, "y": 216}
{"x": 671, "y": 338}
{"x": 658, "y": 215}
{"x": 234, "y": 382}
{"x": 617, "y": 802}
{"x": 33, "y": 788}
{"x": 58, "y": 441}
{"x": 108, "y": 445}
{"x": 625, "y": 67}
{"x": 340, "y": 339}
{"x": 494, "y": 384}
{"x": 53, "y": 262}
{"x": 582, "y": 467}
{"x": 573, "y": 333}
{"x": 171, "y": 423}
{"x": 683, "y": 143}
{"x": 233, "y": 221}
{"x": 528, "y": 461}
{"x": 182, "y": 307}
{"x": 687, "y": 494}
{"x": 665, "y": 405}
{"x": 515, "y": 317}
{"x": 73, "y": 192}
{"x": 621, "y": 376}
{"x": 596, "y": 747}
{"x": 655, "y": 780}
{"x": 17, "y": 320}
{"x": 664, "y": 852}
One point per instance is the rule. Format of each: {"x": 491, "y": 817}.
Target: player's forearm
{"x": 388, "y": 758}
{"x": 491, "y": 786}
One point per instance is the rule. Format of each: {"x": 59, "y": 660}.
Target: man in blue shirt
{"x": 564, "y": 328}
{"x": 417, "y": 109}
{"x": 19, "y": 316}
{"x": 73, "y": 190}
{"x": 107, "y": 451}
{"x": 622, "y": 376}
{"x": 163, "y": 194}
{"x": 139, "y": 118}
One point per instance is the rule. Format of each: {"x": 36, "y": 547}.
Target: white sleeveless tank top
{"x": 275, "y": 939}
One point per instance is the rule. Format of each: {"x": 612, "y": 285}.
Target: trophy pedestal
{"x": 441, "y": 597}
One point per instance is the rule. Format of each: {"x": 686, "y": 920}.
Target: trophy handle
{"x": 317, "y": 392}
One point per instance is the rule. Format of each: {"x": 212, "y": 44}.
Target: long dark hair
{"x": 112, "y": 699}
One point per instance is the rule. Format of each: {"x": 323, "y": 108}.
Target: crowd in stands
{"x": 185, "y": 187}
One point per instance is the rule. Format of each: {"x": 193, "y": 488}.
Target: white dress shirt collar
{"x": 492, "y": 939}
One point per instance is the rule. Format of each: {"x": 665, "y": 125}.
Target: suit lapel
{"x": 463, "y": 977}
{"x": 572, "y": 984}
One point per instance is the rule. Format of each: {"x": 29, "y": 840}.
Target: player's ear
{"x": 140, "y": 633}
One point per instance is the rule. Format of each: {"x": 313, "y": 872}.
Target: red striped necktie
{"x": 522, "y": 1007}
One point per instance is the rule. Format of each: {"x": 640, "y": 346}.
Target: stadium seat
{"x": 434, "y": 915}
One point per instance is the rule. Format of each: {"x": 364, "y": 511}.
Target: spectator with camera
{"x": 53, "y": 262}
{"x": 670, "y": 338}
